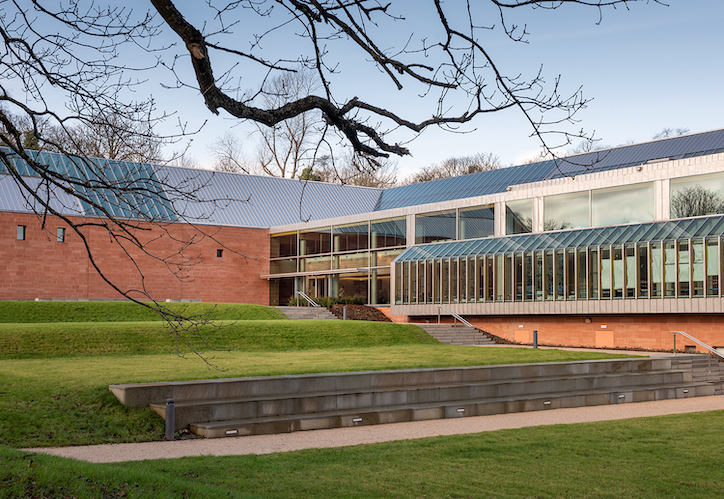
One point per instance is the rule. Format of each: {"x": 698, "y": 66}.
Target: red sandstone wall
{"x": 41, "y": 267}
{"x": 651, "y": 332}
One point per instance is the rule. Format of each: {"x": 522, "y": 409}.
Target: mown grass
{"x": 93, "y": 338}
{"x": 673, "y": 456}
{"x": 47, "y": 312}
{"x": 65, "y": 400}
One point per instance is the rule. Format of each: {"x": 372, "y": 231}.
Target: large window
{"x": 352, "y": 237}
{"x": 476, "y": 222}
{"x": 362, "y": 250}
{"x": 284, "y": 245}
{"x": 566, "y": 211}
{"x": 697, "y": 195}
{"x": 439, "y": 226}
{"x": 618, "y": 266}
{"x": 519, "y": 216}
{"x": 620, "y": 205}
{"x": 388, "y": 233}
{"x": 314, "y": 242}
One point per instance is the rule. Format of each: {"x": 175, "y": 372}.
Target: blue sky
{"x": 646, "y": 68}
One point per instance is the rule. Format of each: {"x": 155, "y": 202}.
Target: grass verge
{"x": 92, "y": 338}
{"x": 46, "y": 312}
{"x": 642, "y": 458}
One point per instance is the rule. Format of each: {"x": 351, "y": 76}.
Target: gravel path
{"x": 340, "y": 437}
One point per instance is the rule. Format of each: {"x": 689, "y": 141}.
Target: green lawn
{"x": 672, "y": 457}
{"x": 65, "y": 400}
{"x": 37, "y": 312}
{"x": 46, "y": 340}
{"x": 54, "y": 391}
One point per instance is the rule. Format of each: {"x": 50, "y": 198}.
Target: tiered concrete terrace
{"x": 277, "y": 404}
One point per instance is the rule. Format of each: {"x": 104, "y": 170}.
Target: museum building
{"x": 611, "y": 248}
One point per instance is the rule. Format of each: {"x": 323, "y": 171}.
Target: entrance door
{"x": 317, "y": 287}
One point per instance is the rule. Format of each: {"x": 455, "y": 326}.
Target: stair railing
{"x": 309, "y": 300}
{"x": 456, "y": 317}
{"x": 698, "y": 342}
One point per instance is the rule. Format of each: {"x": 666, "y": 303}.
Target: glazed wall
{"x": 41, "y": 267}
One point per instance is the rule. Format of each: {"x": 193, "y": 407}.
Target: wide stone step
{"x": 307, "y": 313}
{"x": 456, "y": 334}
{"x": 376, "y": 398}
{"x": 307, "y": 401}
{"x": 450, "y": 409}
{"x": 143, "y": 394}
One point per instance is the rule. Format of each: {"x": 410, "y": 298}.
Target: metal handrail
{"x": 311, "y": 302}
{"x": 699, "y": 342}
{"x": 457, "y": 316}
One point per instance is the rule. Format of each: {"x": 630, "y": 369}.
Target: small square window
{"x": 219, "y": 253}
{"x": 21, "y": 233}
{"x": 61, "y": 234}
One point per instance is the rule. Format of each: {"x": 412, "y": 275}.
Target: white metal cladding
{"x": 255, "y": 201}
{"x": 11, "y": 198}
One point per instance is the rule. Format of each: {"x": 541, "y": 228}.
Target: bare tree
{"x": 454, "y": 167}
{"x": 588, "y": 145}
{"x": 352, "y": 169}
{"x": 114, "y": 136}
{"x": 288, "y": 146}
{"x": 665, "y": 133}
{"x": 72, "y": 51}
{"x": 450, "y": 61}
{"x": 230, "y": 156}
{"x": 696, "y": 201}
{"x": 78, "y": 62}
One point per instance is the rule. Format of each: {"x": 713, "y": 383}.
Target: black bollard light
{"x": 535, "y": 339}
{"x": 170, "y": 419}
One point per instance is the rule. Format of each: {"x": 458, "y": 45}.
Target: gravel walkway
{"x": 268, "y": 444}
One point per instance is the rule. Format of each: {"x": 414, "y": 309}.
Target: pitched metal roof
{"x": 14, "y": 199}
{"x": 497, "y": 181}
{"x": 145, "y": 191}
{"x": 684, "y": 146}
{"x": 257, "y": 201}
{"x": 465, "y": 186}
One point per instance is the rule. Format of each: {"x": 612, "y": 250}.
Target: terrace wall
{"x": 41, "y": 267}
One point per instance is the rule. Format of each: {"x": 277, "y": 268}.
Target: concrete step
{"x": 451, "y": 409}
{"x": 143, "y": 394}
{"x": 460, "y": 334}
{"x": 237, "y": 406}
{"x": 374, "y": 399}
{"x": 308, "y": 313}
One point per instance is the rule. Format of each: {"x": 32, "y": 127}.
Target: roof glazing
{"x": 701, "y": 227}
{"x": 106, "y": 187}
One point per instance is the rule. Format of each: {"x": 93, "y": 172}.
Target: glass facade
{"x": 439, "y": 226}
{"x": 626, "y": 257}
{"x": 622, "y": 205}
{"x": 567, "y": 211}
{"x": 697, "y": 195}
{"x": 519, "y": 217}
{"x": 653, "y": 260}
{"x": 476, "y": 222}
{"x": 350, "y": 260}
